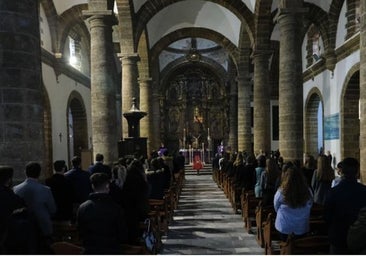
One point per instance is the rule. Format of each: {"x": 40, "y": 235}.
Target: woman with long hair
{"x": 268, "y": 181}
{"x": 292, "y": 202}
{"x": 321, "y": 181}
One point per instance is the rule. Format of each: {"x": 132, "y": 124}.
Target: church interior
{"x": 98, "y": 81}
{"x": 251, "y": 75}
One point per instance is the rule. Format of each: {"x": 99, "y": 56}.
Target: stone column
{"x": 261, "y": 102}
{"x": 363, "y": 92}
{"x": 130, "y": 87}
{"x": 233, "y": 117}
{"x": 146, "y": 102}
{"x": 290, "y": 81}
{"x": 155, "y": 121}
{"x": 21, "y": 91}
{"x": 103, "y": 85}
{"x": 244, "y": 115}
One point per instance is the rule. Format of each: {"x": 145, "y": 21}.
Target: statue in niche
{"x": 174, "y": 117}
{"x": 173, "y": 93}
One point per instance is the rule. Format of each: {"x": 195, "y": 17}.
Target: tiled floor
{"x": 204, "y": 222}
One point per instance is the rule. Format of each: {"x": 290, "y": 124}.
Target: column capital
{"x": 101, "y": 15}
{"x": 289, "y": 11}
{"x": 128, "y": 58}
{"x": 89, "y": 13}
{"x": 261, "y": 52}
{"x": 145, "y": 80}
{"x": 243, "y": 78}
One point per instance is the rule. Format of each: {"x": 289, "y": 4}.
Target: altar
{"x": 204, "y": 154}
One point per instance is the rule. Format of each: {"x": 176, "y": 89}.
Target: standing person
{"x": 322, "y": 179}
{"x": 261, "y": 159}
{"x": 62, "y": 191}
{"x": 100, "y": 220}
{"x": 135, "y": 200}
{"x": 80, "y": 181}
{"x": 39, "y": 201}
{"x": 197, "y": 164}
{"x": 99, "y": 166}
{"x": 342, "y": 206}
{"x": 292, "y": 202}
{"x": 9, "y": 203}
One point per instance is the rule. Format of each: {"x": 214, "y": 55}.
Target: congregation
{"x": 106, "y": 205}
{"x": 294, "y": 201}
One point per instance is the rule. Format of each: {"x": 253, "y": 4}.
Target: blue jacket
{"x": 39, "y": 200}
{"x": 291, "y": 220}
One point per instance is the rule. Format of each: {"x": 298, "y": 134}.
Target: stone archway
{"x": 77, "y": 126}
{"x": 350, "y": 122}
{"x": 314, "y": 123}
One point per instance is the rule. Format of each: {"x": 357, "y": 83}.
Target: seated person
{"x": 101, "y": 221}
{"x": 292, "y": 202}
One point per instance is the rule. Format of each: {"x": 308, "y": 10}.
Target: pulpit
{"x": 133, "y": 144}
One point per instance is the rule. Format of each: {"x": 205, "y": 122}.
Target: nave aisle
{"x": 204, "y": 222}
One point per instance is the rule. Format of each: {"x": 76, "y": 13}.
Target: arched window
{"x": 74, "y": 52}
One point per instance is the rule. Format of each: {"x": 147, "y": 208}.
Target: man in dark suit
{"x": 342, "y": 206}
{"x": 100, "y": 167}
{"x": 80, "y": 181}
{"x": 9, "y": 203}
{"x": 63, "y": 192}
{"x": 101, "y": 221}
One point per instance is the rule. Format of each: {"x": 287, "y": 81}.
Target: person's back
{"x": 156, "y": 180}
{"x": 258, "y": 174}
{"x": 62, "y": 191}
{"x": 101, "y": 221}
{"x": 39, "y": 201}
{"x": 342, "y": 206}
{"x": 135, "y": 200}
{"x": 247, "y": 177}
{"x": 100, "y": 167}
{"x": 321, "y": 181}
{"x": 80, "y": 181}
{"x": 9, "y": 203}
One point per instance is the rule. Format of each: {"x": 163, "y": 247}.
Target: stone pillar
{"x": 363, "y": 92}
{"x": 233, "y": 118}
{"x": 103, "y": 85}
{"x": 244, "y": 115}
{"x": 261, "y": 102}
{"x": 21, "y": 91}
{"x": 290, "y": 81}
{"x": 130, "y": 87}
{"x": 146, "y": 103}
{"x": 155, "y": 121}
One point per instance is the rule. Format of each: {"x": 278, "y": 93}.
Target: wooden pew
{"x": 249, "y": 205}
{"x": 159, "y": 209}
{"x": 66, "y": 248}
{"x": 65, "y": 231}
{"x": 261, "y": 214}
{"x": 310, "y": 245}
{"x": 271, "y": 236}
